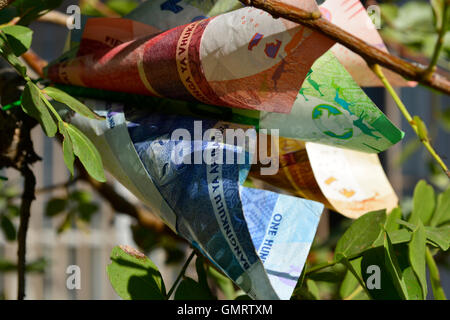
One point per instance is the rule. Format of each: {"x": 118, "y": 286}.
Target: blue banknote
{"x": 260, "y": 239}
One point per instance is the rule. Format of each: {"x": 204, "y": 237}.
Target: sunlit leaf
{"x": 134, "y": 276}
{"x": 71, "y": 102}
{"x": 33, "y": 105}
{"x": 19, "y": 38}
{"x": 88, "y": 154}
{"x": 423, "y": 203}
{"x": 416, "y": 249}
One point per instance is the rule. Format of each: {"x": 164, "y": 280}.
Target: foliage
{"x": 414, "y": 24}
{"x": 397, "y": 246}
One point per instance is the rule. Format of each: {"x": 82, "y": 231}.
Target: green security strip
{"x": 382, "y": 124}
{"x": 12, "y": 105}
{"x": 164, "y": 105}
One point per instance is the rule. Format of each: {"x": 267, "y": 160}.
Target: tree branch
{"x": 24, "y": 157}
{"x": 370, "y": 54}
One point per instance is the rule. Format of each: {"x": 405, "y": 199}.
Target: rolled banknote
{"x": 330, "y": 108}
{"x": 260, "y": 239}
{"x": 242, "y": 59}
{"x": 349, "y": 182}
{"x": 349, "y": 15}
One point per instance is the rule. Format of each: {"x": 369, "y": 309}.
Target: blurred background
{"x": 71, "y": 224}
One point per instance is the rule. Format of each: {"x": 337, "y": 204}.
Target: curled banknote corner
{"x": 242, "y": 59}
{"x": 260, "y": 239}
{"x": 352, "y": 17}
{"x": 346, "y": 181}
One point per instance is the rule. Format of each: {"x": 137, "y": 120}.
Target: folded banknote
{"x": 260, "y": 239}
{"x": 346, "y": 181}
{"x": 242, "y": 59}
{"x": 330, "y": 108}
{"x": 349, "y": 15}
{"x": 352, "y": 16}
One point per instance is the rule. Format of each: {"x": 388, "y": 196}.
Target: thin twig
{"x": 439, "y": 42}
{"x": 370, "y": 54}
{"x": 425, "y": 141}
{"x": 181, "y": 274}
{"x": 56, "y": 17}
{"x": 35, "y": 62}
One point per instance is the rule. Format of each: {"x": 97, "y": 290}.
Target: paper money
{"x": 330, "y": 108}
{"x": 349, "y": 15}
{"x": 349, "y": 182}
{"x": 260, "y": 239}
{"x": 352, "y": 16}
{"x": 243, "y": 59}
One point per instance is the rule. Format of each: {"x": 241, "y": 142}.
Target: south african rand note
{"x": 260, "y": 239}
{"x": 243, "y": 59}
{"x": 349, "y": 182}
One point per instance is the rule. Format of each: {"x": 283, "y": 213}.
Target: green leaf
{"x": 66, "y": 224}
{"x": 313, "y": 289}
{"x": 33, "y": 105}
{"x": 69, "y": 157}
{"x": 71, "y": 102}
{"x": 7, "y": 53}
{"x": 437, "y": 236}
{"x": 350, "y": 282}
{"x": 361, "y": 235}
{"x": 122, "y": 7}
{"x": 393, "y": 268}
{"x": 423, "y": 203}
{"x": 30, "y": 10}
{"x": 442, "y": 213}
{"x": 85, "y": 150}
{"x": 417, "y": 248}
{"x": 201, "y": 273}
{"x": 391, "y": 220}
{"x": 440, "y": 236}
{"x": 134, "y": 276}
{"x": 86, "y": 210}
{"x": 55, "y": 206}
{"x": 387, "y": 289}
{"x": 223, "y": 282}
{"x": 189, "y": 289}
{"x": 19, "y": 38}
{"x": 9, "y": 230}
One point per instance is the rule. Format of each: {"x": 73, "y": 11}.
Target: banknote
{"x": 346, "y": 181}
{"x": 242, "y": 59}
{"x": 349, "y": 15}
{"x": 260, "y": 239}
{"x": 352, "y": 16}
{"x": 330, "y": 107}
